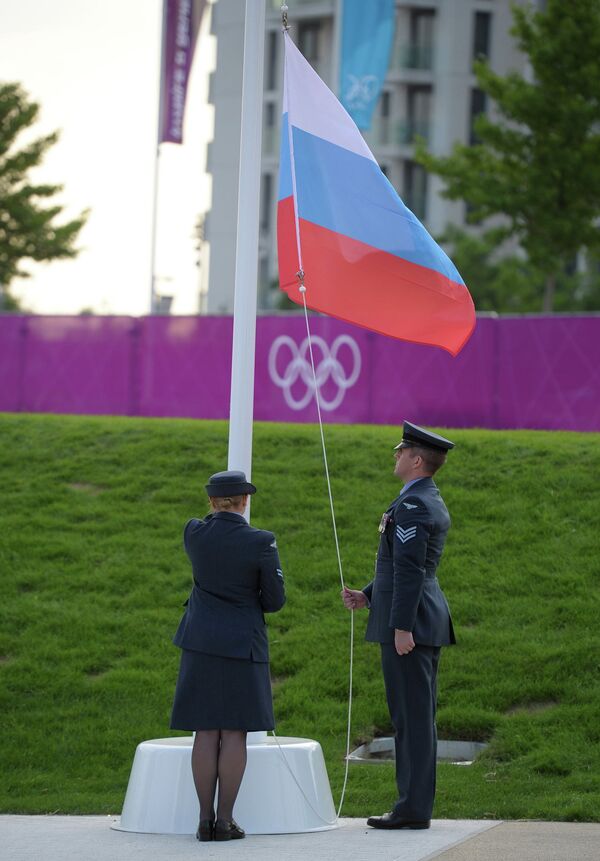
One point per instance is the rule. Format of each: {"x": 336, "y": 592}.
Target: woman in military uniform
{"x": 223, "y": 689}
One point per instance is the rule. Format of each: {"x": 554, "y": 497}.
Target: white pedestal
{"x": 161, "y": 798}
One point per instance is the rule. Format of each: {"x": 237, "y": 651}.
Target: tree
{"x": 28, "y": 229}
{"x": 497, "y": 281}
{"x": 504, "y": 281}
{"x": 538, "y": 164}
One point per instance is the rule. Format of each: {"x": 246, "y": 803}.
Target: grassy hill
{"x": 93, "y": 578}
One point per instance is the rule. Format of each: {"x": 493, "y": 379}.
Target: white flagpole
{"x": 241, "y": 407}
{"x": 246, "y": 262}
{"x": 161, "y": 107}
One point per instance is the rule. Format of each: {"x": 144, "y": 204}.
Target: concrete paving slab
{"x": 90, "y": 838}
{"x": 531, "y": 841}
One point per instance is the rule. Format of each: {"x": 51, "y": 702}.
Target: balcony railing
{"x": 276, "y": 4}
{"x": 413, "y": 57}
{"x": 396, "y": 134}
{"x": 408, "y": 130}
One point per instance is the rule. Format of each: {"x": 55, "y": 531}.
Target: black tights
{"x": 218, "y": 754}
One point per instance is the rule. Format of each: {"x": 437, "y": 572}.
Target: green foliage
{"x": 508, "y": 283}
{"x": 93, "y": 578}
{"x": 538, "y": 163}
{"x": 28, "y": 230}
{"x": 278, "y": 300}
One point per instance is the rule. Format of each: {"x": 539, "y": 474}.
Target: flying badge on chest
{"x": 385, "y": 519}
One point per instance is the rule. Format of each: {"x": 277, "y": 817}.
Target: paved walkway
{"x": 91, "y": 838}
{"x": 530, "y": 841}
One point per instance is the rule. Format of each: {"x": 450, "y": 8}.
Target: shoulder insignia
{"x": 273, "y": 543}
{"x": 408, "y": 505}
{"x": 407, "y": 534}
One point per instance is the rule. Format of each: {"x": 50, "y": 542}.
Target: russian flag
{"x": 365, "y": 257}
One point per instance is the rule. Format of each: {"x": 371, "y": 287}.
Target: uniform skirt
{"x": 222, "y": 693}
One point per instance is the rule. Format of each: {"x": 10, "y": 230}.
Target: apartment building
{"x": 429, "y": 91}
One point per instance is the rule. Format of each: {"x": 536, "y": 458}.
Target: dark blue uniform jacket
{"x": 405, "y": 592}
{"x": 237, "y": 578}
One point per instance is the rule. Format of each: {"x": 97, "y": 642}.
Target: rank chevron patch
{"x": 405, "y": 535}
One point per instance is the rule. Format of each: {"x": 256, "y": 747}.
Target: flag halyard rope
{"x": 302, "y": 290}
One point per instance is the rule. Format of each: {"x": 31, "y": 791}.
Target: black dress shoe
{"x": 395, "y": 820}
{"x": 206, "y": 830}
{"x": 228, "y": 829}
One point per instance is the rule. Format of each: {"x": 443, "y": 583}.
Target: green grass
{"x": 93, "y": 578}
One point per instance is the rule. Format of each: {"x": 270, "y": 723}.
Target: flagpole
{"x": 241, "y": 407}
{"x": 153, "y": 240}
{"x": 246, "y": 261}
{"x": 163, "y": 33}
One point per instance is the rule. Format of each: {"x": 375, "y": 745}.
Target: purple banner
{"x": 77, "y": 365}
{"x": 514, "y": 372}
{"x": 185, "y": 366}
{"x": 181, "y": 22}
{"x": 12, "y": 360}
{"x": 548, "y": 374}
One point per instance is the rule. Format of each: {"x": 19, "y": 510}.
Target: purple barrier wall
{"x": 185, "y": 366}
{"x": 12, "y": 360}
{"x": 514, "y": 372}
{"x": 77, "y": 364}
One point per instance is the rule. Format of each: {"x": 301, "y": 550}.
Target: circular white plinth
{"x": 285, "y": 789}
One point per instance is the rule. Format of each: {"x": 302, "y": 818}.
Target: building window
{"x": 266, "y": 194}
{"x": 482, "y": 27}
{"x": 271, "y": 64}
{"x": 385, "y": 104}
{"x": 478, "y": 107}
{"x": 415, "y": 188}
{"x": 264, "y": 293}
{"x": 384, "y": 117}
{"x": 418, "y": 112}
{"x": 269, "y": 128}
{"x": 420, "y": 53}
{"x": 309, "y": 33}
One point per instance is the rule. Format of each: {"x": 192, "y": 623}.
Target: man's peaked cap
{"x": 414, "y": 435}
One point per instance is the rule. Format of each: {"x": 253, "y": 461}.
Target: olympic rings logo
{"x": 299, "y": 369}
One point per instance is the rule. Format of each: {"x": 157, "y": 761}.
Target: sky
{"x": 94, "y": 66}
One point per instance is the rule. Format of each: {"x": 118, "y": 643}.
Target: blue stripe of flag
{"x": 348, "y": 194}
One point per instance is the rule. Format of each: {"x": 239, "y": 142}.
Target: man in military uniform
{"x": 409, "y": 617}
